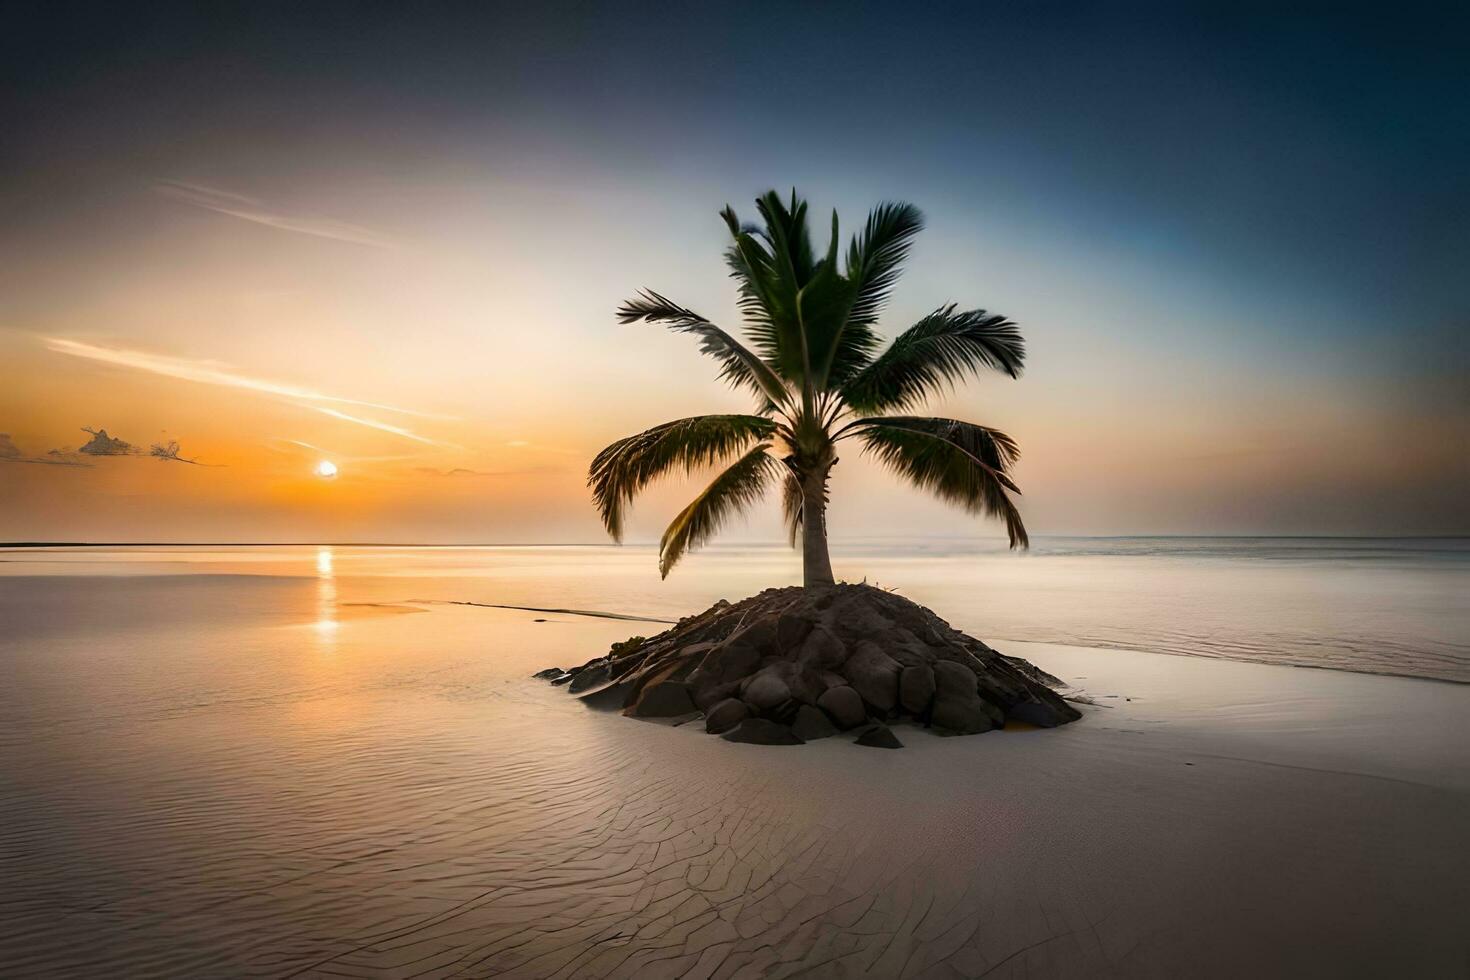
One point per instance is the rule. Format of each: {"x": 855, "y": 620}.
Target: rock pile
{"x": 791, "y": 665}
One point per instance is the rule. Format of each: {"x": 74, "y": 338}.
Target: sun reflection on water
{"x": 326, "y": 595}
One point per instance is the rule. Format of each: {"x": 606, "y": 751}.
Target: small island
{"x": 796, "y": 664}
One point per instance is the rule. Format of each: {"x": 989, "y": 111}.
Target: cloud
{"x": 381, "y": 426}
{"x": 216, "y": 373}
{"x": 254, "y": 210}
{"x": 541, "y": 448}
{"x": 11, "y": 453}
{"x": 205, "y": 372}
{"x": 101, "y": 444}
{"x": 334, "y": 454}
{"x": 170, "y": 451}
{"x": 459, "y": 471}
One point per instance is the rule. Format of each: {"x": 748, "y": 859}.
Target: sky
{"x": 393, "y": 238}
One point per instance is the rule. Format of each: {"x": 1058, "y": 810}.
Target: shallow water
{"x": 1377, "y": 605}
{"x": 302, "y": 761}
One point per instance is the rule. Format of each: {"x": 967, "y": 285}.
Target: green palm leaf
{"x": 875, "y": 258}
{"x": 768, "y": 293}
{"x": 933, "y": 354}
{"x": 740, "y": 366}
{"x": 923, "y": 455}
{"x": 732, "y": 491}
{"x": 874, "y": 262}
{"x": 624, "y": 468}
{"x": 991, "y": 446}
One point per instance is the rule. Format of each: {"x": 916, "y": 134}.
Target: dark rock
{"x": 766, "y": 690}
{"x": 829, "y": 679}
{"x": 1042, "y": 714}
{"x": 844, "y": 706}
{"x": 858, "y": 653}
{"x": 822, "y": 651}
{"x": 589, "y": 676}
{"x": 910, "y": 616}
{"x": 627, "y": 647}
{"x": 806, "y": 685}
{"x": 879, "y": 737}
{"x": 663, "y": 699}
{"x": 916, "y": 688}
{"x": 762, "y": 731}
{"x": 612, "y": 696}
{"x": 548, "y": 673}
{"x": 811, "y": 724}
{"x": 759, "y": 636}
{"x": 791, "y": 629}
{"x": 859, "y": 619}
{"x": 907, "y": 654}
{"x": 785, "y": 712}
{"x": 706, "y": 693}
{"x": 696, "y": 650}
{"x": 957, "y": 705}
{"x": 997, "y": 714}
{"x": 731, "y": 661}
{"x": 1028, "y": 670}
{"x": 725, "y": 716}
{"x": 873, "y": 674}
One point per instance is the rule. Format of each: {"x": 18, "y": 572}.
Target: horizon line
{"x": 651, "y": 544}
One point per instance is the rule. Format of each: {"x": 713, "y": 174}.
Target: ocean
{"x": 1374, "y": 605}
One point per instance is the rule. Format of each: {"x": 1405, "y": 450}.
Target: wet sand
{"x": 402, "y": 800}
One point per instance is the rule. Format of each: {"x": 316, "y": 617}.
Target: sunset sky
{"x": 1238, "y": 250}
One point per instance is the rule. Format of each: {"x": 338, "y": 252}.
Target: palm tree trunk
{"x": 816, "y": 564}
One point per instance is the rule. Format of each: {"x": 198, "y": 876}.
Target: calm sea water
{"x": 1393, "y": 606}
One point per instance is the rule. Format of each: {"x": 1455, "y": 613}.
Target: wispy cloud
{"x": 207, "y": 372}
{"x": 541, "y": 447}
{"x": 460, "y": 471}
{"x": 380, "y": 426}
{"x": 254, "y": 210}
{"x": 59, "y": 460}
{"x": 11, "y": 453}
{"x": 334, "y": 454}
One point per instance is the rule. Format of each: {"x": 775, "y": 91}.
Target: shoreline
{"x": 630, "y": 617}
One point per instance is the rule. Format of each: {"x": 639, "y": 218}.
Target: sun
{"x": 326, "y": 469}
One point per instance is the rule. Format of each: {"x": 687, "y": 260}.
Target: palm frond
{"x": 874, "y": 261}
{"x": 740, "y": 366}
{"x": 786, "y": 232}
{"x": 624, "y": 468}
{"x": 923, "y": 456}
{"x": 875, "y": 257}
{"x": 990, "y": 446}
{"x": 768, "y": 291}
{"x": 934, "y": 353}
{"x": 732, "y": 491}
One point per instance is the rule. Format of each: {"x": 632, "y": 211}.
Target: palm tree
{"x": 813, "y": 366}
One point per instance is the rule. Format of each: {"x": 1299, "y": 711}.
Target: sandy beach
{"x": 394, "y": 796}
